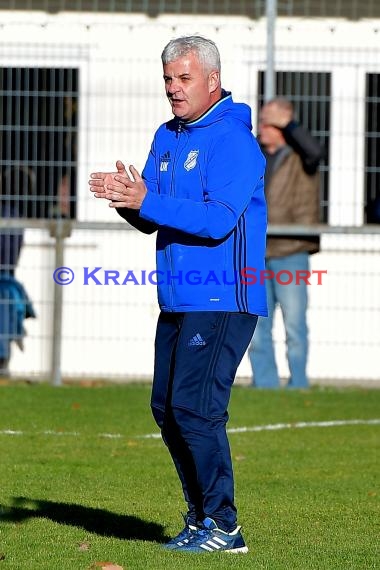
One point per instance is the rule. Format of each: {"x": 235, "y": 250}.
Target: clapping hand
{"x": 123, "y": 189}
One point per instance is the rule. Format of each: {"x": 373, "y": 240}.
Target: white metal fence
{"x": 330, "y": 68}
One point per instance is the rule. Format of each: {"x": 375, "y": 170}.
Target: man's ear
{"x": 213, "y": 81}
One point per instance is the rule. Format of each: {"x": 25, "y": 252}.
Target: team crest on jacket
{"x": 191, "y": 160}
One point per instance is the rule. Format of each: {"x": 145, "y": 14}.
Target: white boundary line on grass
{"x": 295, "y": 425}
{"x": 268, "y": 427}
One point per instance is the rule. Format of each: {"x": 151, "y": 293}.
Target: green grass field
{"x": 79, "y": 485}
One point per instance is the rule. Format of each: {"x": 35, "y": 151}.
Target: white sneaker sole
{"x": 241, "y": 550}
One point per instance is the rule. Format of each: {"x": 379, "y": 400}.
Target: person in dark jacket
{"x": 292, "y": 193}
{"x": 202, "y": 191}
{"x": 16, "y": 185}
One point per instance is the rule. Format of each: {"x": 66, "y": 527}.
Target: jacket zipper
{"x": 170, "y": 286}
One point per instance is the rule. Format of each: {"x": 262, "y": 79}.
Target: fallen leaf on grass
{"x": 87, "y": 383}
{"x": 84, "y": 546}
{"x": 106, "y": 566}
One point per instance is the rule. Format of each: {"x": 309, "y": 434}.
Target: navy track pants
{"x": 196, "y": 358}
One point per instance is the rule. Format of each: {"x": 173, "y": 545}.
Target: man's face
{"x": 190, "y": 90}
{"x": 269, "y": 135}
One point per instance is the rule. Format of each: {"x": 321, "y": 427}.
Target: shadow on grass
{"x": 97, "y": 521}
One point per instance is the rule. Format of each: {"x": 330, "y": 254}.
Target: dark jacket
{"x": 292, "y": 190}
{"x": 11, "y": 240}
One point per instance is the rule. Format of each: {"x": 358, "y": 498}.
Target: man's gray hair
{"x": 205, "y": 49}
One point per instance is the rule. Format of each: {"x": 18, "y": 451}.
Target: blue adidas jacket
{"x": 206, "y": 200}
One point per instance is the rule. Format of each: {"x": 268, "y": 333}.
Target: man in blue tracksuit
{"x": 202, "y": 191}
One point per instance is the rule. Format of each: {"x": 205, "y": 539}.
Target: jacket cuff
{"x": 148, "y": 206}
{"x": 290, "y": 126}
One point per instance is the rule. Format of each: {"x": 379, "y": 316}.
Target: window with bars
{"x": 372, "y": 149}
{"x": 310, "y": 93}
{"x": 352, "y": 9}
{"x": 38, "y": 144}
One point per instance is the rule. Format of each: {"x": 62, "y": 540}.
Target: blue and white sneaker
{"x": 212, "y": 539}
{"x": 187, "y": 534}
